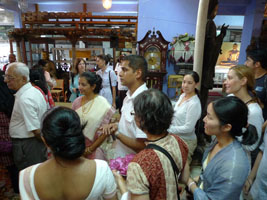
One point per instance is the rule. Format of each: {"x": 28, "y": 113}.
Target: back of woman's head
{"x": 93, "y": 79}
{"x": 37, "y": 77}
{"x": 62, "y": 131}
{"x": 154, "y": 110}
{"x": 42, "y": 62}
{"x": 231, "y": 110}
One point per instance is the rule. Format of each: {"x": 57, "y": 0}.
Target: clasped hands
{"x": 109, "y": 129}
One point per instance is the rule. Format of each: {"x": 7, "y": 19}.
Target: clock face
{"x": 153, "y": 58}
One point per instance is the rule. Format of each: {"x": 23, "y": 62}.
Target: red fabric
{"x": 154, "y": 173}
{"x": 153, "y": 170}
{"x": 6, "y": 159}
{"x": 4, "y": 67}
{"x": 50, "y": 100}
{"x": 183, "y": 148}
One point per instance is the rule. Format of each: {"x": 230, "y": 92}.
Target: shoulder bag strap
{"x": 110, "y": 82}
{"x": 174, "y": 166}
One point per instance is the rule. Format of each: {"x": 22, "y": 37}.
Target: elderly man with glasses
{"x": 29, "y": 107}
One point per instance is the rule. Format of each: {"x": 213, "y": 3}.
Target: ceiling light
{"x": 107, "y": 4}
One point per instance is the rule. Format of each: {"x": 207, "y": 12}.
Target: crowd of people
{"x": 61, "y": 152}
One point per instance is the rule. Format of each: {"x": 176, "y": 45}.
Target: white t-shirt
{"x": 127, "y": 125}
{"x": 28, "y": 110}
{"x": 255, "y": 118}
{"x": 106, "y": 91}
{"x": 118, "y": 70}
{"x": 185, "y": 117}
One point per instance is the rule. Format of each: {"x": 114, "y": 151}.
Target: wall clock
{"x": 154, "y": 49}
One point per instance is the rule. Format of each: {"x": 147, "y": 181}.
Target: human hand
{"x": 109, "y": 129}
{"x": 120, "y": 181}
{"x": 247, "y": 186}
{"x": 190, "y": 180}
{"x": 114, "y": 105}
{"x": 87, "y": 151}
{"x": 224, "y": 29}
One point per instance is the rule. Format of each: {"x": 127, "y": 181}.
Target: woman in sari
{"x": 94, "y": 111}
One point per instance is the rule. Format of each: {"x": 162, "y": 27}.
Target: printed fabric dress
{"x": 151, "y": 172}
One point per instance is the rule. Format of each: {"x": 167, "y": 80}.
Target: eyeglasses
{"x": 8, "y": 77}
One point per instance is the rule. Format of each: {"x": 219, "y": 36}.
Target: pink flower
{"x": 121, "y": 164}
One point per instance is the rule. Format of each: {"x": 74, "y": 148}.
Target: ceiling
{"x": 121, "y": 7}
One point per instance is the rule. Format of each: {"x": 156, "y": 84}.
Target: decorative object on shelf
{"x": 182, "y": 52}
{"x": 154, "y": 49}
{"x": 182, "y": 49}
{"x": 107, "y": 4}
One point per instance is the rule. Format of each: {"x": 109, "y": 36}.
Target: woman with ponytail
{"x": 67, "y": 175}
{"x": 94, "y": 111}
{"x": 187, "y": 112}
{"x": 225, "y": 162}
{"x": 240, "y": 82}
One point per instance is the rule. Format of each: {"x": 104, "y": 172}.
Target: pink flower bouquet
{"x": 121, "y": 164}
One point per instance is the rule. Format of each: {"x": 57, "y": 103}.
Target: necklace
{"x": 86, "y": 109}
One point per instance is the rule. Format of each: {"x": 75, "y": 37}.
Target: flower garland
{"x": 121, "y": 164}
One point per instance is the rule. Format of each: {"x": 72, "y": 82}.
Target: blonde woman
{"x": 240, "y": 82}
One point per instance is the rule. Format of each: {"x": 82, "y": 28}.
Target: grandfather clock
{"x": 154, "y": 49}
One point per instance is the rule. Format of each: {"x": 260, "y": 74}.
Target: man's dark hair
{"x": 138, "y": 62}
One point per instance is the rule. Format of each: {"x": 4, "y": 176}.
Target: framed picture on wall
{"x": 230, "y": 54}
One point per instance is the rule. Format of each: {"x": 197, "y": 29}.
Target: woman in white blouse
{"x": 240, "y": 82}
{"x": 187, "y": 112}
{"x": 109, "y": 79}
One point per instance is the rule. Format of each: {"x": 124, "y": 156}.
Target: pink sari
{"x": 94, "y": 114}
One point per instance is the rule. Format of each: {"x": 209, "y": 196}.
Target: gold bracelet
{"x": 88, "y": 151}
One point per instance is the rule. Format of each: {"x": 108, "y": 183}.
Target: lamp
{"x": 107, "y": 4}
